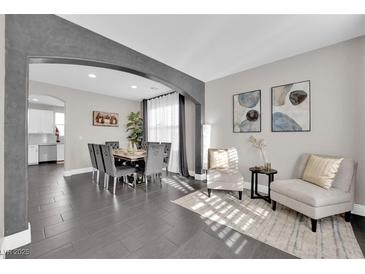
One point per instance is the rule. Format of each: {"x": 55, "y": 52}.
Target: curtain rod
{"x": 161, "y": 95}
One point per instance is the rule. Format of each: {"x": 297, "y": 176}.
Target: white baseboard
{"x": 200, "y": 177}
{"x": 16, "y": 240}
{"x": 358, "y": 210}
{"x": 71, "y": 172}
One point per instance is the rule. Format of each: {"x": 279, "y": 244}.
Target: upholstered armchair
{"x": 223, "y": 173}
{"x": 314, "y": 201}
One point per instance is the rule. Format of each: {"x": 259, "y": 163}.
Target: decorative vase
{"x": 263, "y": 158}
{"x": 130, "y": 147}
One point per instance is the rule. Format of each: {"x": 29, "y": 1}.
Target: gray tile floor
{"x": 74, "y": 218}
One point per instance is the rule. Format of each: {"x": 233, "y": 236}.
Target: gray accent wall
{"x": 2, "y": 93}
{"x": 337, "y": 101}
{"x": 50, "y": 36}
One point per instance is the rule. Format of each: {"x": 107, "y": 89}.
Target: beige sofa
{"x": 314, "y": 201}
{"x": 223, "y": 173}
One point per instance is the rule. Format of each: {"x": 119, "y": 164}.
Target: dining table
{"x": 132, "y": 157}
{"x": 124, "y": 154}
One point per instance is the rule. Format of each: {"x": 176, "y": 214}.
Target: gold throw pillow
{"x": 321, "y": 171}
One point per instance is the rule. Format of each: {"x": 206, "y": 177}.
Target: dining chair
{"x": 114, "y": 171}
{"x": 154, "y": 162}
{"x": 113, "y": 144}
{"x": 93, "y": 159}
{"x": 166, "y": 157}
{"x": 99, "y": 162}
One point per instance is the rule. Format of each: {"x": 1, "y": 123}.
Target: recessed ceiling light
{"x": 92, "y": 75}
{"x": 35, "y": 99}
{"x": 134, "y": 86}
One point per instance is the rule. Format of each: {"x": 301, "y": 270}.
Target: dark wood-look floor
{"x": 74, "y": 218}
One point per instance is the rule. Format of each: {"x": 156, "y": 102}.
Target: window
{"x": 163, "y": 125}
{"x": 60, "y": 122}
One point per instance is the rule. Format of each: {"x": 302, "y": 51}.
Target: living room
{"x": 254, "y": 150}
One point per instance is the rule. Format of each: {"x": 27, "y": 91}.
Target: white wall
{"x": 79, "y": 130}
{"x": 337, "y": 96}
{"x": 2, "y": 92}
{"x": 190, "y": 134}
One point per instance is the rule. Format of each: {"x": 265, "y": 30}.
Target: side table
{"x": 254, "y": 182}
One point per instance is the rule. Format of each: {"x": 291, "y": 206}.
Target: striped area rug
{"x": 284, "y": 228}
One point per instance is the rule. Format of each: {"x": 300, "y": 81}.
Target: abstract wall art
{"x": 291, "y": 107}
{"x": 247, "y": 112}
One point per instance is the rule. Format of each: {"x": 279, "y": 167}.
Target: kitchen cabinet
{"x": 41, "y": 121}
{"x": 60, "y": 152}
{"x": 33, "y": 155}
{"x": 47, "y": 153}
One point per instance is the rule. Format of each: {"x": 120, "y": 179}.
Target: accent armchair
{"x": 223, "y": 172}
{"x": 314, "y": 201}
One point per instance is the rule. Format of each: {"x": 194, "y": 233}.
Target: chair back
{"x": 346, "y": 174}
{"x": 107, "y": 152}
{"x": 154, "y": 159}
{"x": 92, "y": 156}
{"x": 167, "y": 152}
{"x": 222, "y": 158}
{"x": 99, "y": 158}
{"x": 113, "y": 144}
{"x": 144, "y": 144}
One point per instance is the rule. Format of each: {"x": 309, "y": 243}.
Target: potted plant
{"x": 135, "y": 129}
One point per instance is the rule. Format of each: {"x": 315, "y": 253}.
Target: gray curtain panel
{"x": 145, "y": 120}
{"x": 182, "y": 137}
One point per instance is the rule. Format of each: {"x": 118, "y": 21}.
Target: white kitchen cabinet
{"x": 33, "y": 155}
{"x": 41, "y": 121}
{"x": 34, "y": 121}
{"x": 60, "y": 152}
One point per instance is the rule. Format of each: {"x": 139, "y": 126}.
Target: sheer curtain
{"x": 163, "y": 125}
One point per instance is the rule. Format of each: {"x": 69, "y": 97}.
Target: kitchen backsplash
{"x": 36, "y": 139}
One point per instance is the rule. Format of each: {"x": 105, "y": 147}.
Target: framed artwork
{"x": 106, "y": 119}
{"x": 291, "y": 107}
{"x": 247, "y": 112}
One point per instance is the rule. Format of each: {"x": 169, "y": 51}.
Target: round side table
{"x": 254, "y": 182}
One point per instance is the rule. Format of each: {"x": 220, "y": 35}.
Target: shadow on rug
{"x": 284, "y": 228}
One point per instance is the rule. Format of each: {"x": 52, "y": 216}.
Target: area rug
{"x": 284, "y": 228}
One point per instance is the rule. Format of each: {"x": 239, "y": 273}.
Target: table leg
{"x": 252, "y": 183}
{"x": 256, "y": 182}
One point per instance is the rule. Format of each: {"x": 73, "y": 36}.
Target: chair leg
{"x": 146, "y": 178}
{"x": 167, "y": 172}
{"x": 273, "y": 205}
{"x": 107, "y": 182}
{"x": 135, "y": 180}
{"x": 115, "y": 185}
{"x": 209, "y": 192}
{"x": 98, "y": 176}
{"x": 105, "y": 179}
{"x": 314, "y": 225}
{"x": 348, "y": 216}
{"x": 240, "y": 195}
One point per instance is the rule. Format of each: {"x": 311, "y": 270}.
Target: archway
{"x": 48, "y": 38}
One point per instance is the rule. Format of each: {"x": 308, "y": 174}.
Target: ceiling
{"x": 208, "y": 47}
{"x": 107, "y": 82}
{"x": 45, "y": 100}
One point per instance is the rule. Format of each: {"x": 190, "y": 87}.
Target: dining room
{"x": 132, "y": 116}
